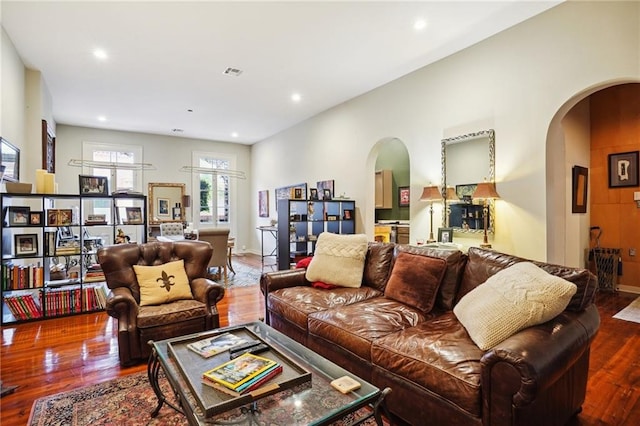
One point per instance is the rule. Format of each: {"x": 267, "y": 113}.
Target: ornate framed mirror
{"x": 466, "y": 161}
{"x": 165, "y": 202}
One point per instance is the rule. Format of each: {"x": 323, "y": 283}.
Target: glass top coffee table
{"x": 308, "y": 402}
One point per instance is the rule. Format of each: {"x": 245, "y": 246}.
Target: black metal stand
{"x": 153, "y": 369}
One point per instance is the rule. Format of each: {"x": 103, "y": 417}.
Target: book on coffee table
{"x": 235, "y": 373}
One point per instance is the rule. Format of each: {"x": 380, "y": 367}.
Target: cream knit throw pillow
{"x": 338, "y": 259}
{"x": 515, "y": 298}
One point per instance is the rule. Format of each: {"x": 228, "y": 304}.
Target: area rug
{"x": 631, "y": 312}
{"x": 127, "y": 400}
{"x": 244, "y": 276}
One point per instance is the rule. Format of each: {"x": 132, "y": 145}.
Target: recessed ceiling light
{"x": 234, "y": 135}
{"x": 189, "y": 110}
{"x": 100, "y": 54}
{"x": 419, "y": 24}
{"x": 102, "y": 118}
{"x": 296, "y": 97}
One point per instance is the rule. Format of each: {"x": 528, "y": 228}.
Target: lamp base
{"x": 485, "y": 245}
{"x": 431, "y": 240}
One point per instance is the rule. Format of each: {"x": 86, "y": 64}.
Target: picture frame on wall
{"x": 445, "y": 235}
{"x": 263, "y": 203}
{"x": 404, "y": 196}
{"x": 313, "y": 193}
{"x": 163, "y": 207}
{"x": 623, "y": 169}
{"x": 35, "y": 218}
{"x": 579, "y": 184}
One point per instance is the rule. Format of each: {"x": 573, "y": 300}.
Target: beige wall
{"x": 514, "y": 82}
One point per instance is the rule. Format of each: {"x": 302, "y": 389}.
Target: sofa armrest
{"x": 520, "y": 368}
{"x": 207, "y": 291}
{"x": 122, "y": 305}
{"x": 271, "y": 281}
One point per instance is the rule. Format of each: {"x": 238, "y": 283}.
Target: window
{"x": 121, "y": 172}
{"x": 214, "y": 188}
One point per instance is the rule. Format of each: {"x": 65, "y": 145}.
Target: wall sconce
{"x": 450, "y": 195}
{"x": 485, "y": 191}
{"x": 431, "y": 194}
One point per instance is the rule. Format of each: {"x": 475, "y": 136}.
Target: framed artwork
{"x": 313, "y": 193}
{"x": 326, "y": 185}
{"x": 404, "y": 196}
{"x": 579, "y": 186}
{"x": 26, "y": 244}
{"x": 297, "y": 193}
{"x": 10, "y": 159}
{"x": 65, "y": 233}
{"x": 163, "y": 207}
{"x": 623, "y": 169}
{"x": 93, "y": 185}
{"x": 59, "y": 217}
{"x": 445, "y": 235}
{"x": 289, "y": 192}
{"x": 18, "y": 216}
{"x": 263, "y": 203}
{"x": 134, "y": 215}
{"x": 465, "y": 192}
{"x": 48, "y": 148}
{"x": 35, "y": 218}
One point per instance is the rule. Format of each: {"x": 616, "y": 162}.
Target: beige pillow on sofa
{"x": 162, "y": 283}
{"x": 515, "y": 298}
{"x": 338, "y": 259}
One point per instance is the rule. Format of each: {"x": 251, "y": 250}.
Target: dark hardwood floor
{"x": 57, "y": 355}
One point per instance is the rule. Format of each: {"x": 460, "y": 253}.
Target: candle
{"x": 49, "y": 183}
{"x": 40, "y": 181}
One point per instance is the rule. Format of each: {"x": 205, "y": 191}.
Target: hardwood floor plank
{"x": 61, "y": 354}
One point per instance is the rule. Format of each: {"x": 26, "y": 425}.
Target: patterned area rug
{"x": 243, "y": 277}
{"x": 631, "y": 312}
{"x": 127, "y": 400}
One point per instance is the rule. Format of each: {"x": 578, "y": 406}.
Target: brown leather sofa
{"x": 139, "y": 324}
{"x": 437, "y": 374}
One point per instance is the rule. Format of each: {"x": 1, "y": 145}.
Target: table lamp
{"x": 450, "y": 195}
{"x": 431, "y": 194}
{"x": 485, "y": 191}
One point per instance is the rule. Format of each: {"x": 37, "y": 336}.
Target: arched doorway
{"x": 388, "y": 154}
{"x": 569, "y": 143}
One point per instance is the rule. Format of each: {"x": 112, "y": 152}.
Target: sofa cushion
{"x": 353, "y": 327}
{"x": 162, "y": 283}
{"x": 338, "y": 259}
{"x": 483, "y": 263}
{"x": 438, "y": 355}
{"x": 173, "y": 312}
{"x": 517, "y": 297}
{"x": 377, "y": 266}
{"x": 455, "y": 259}
{"x": 415, "y": 280}
{"x": 296, "y": 303}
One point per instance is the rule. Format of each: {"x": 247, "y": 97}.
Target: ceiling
{"x": 165, "y": 60}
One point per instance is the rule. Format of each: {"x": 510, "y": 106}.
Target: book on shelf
{"x": 215, "y": 344}
{"x": 237, "y": 372}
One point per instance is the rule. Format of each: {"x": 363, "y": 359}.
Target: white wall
{"x": 12, "y": 87}
{"x": 168, "y": 154}
{"x": 514, "y": 82}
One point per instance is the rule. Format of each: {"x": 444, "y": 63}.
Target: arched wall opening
{"x": 570, "y": 143}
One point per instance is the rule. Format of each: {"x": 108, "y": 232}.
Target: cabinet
{"x": 384, "y": 189}
{"x": 301, "y": 221}
{"x": 49, "y": 246}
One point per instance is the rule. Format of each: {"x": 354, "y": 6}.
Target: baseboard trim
{"x": 628, "y": 289}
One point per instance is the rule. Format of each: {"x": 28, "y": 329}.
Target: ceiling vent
{"x": 232, "y": 71}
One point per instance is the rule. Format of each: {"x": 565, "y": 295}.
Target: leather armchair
{"x": 139, "y": 324}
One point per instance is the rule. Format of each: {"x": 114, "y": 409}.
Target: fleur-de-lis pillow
{"x": 162, "y": 283}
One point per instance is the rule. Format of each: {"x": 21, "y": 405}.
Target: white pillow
{"x": 515, "y": 298}
{"x": 338, "y": 259}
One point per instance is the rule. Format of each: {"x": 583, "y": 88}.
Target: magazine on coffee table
{"x": 213, "y": 401}
{"x": 215, "y": 344}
